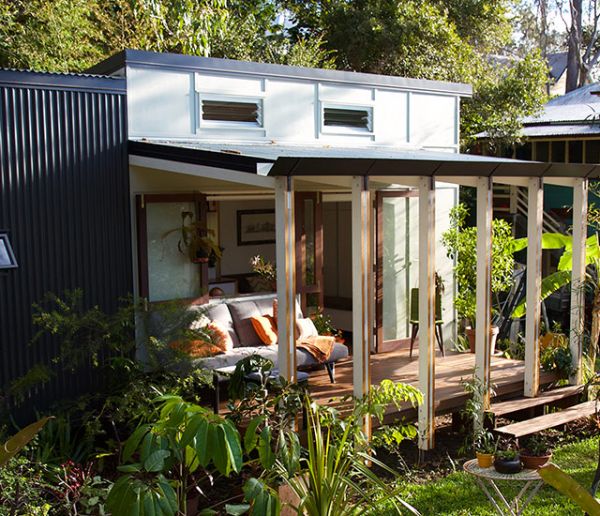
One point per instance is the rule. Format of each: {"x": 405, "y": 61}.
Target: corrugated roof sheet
{"x": 561, "y": 130}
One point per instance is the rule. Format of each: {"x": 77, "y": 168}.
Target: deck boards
{"x": 507, "y": 376}
{"x": 545, "y": 398}
{"x": 537, "y": 424}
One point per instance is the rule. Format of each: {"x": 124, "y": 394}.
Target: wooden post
{"x": 285, "y": 251}
{"x": 535, "y": 217}
{"x": 580, "y": 203}
{"x": 427, "y": 312}
{"x": 362, "y": 289}
{"x": 483, "y": 314}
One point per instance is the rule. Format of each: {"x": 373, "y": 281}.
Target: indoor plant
{"x": 461, "y": 245}
{"x": 535, "y": 453}
{"x": 485, "y": 445}
{"x": 195, "y": 240}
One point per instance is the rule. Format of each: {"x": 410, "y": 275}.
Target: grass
{"x": 458, "y": 494}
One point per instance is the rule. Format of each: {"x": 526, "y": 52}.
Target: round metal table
{"x": 486, "y": 479}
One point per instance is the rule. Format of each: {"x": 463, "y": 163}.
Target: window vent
{"x": 231, "y": 112}
{"x": 347, "y": 118}
{"x": 7, "y": 257}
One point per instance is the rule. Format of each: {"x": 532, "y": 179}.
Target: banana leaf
{"x": 567, "y": 485}
{"x": 11, "y": 447}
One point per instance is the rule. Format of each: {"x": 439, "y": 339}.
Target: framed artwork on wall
{"x": 255, "y": 227}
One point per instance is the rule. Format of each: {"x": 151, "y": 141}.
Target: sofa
{"x": 234, "y": 316}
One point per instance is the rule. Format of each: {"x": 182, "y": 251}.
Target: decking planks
{"x": 507, "y": 376}
{"x": 545, "y": 398}
{"x": 537, "y": 424}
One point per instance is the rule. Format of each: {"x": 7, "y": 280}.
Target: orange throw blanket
{"x": 319, "y": 347}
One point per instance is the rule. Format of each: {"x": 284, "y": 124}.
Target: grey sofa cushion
{"x": 265, "y": 305}
{"x": 220, "y": 313}
{"x": 232, "y": 357}
{"x": 241, "y": 313}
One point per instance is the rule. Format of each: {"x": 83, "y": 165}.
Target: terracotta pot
{"x": 508, "y": 466}
{"x": 535, "y": 462}
{"x": 470, "y": 333}
{"x": 484, "y": 460}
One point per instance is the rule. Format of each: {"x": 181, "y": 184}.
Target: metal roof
{"x": 558, "y": 64}
{"x": 578, "y": 105}
{"x": 231, "y": 66}
{"x": 61, "y": 81}
{"x": 565, "y": 129}
{"x": 312, "y": 160}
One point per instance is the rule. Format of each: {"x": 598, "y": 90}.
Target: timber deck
{"x": 507, "y": 377}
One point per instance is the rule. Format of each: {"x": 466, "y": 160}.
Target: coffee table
{"x": 486, "y": 479}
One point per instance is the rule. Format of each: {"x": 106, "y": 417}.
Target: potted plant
{"x": 485, "y": 445}
{"x": 461, "y": 245}
{"x": 507, "y": 460}
{"x": 535, "y": 453}
{"x": 195, "y": 240}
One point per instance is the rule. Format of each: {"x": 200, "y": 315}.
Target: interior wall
{"x": 236, "y": 259}
{"x": 337, "y": 249}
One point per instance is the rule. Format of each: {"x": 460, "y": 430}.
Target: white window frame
{"x": 218, "y": 124}
{"x": 341, "y": 130}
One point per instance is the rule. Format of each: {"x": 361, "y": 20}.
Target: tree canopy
{"x": 452, "y": 40}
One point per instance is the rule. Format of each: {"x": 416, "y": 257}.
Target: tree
{"x": 72, "y": 35}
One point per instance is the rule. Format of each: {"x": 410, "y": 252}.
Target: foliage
{"x": 16, "y": 443}
{"x": 324, "y": 324}
{"x": 557, "y": 359}
{"x": 459, "y": 495}
{"x": 504, "y": 94}
{"x": 473, "y": 410}
{"x": 72, "y": 35}
{"x": 506, "y": 455}
{"x": 484, "y": 441}
{"x": 535, "y": 446}
{"x": 78, "y": 490}
{"x": 162, "y": 456}
{"x": 334, "y": 477}
{"x": 22, "y": 489}
{"x": 512, "y": 349}
{"x": 564, "y": 483}
{"x": 461, "y": 245}
{"x": 264, "y": 268}
{"x": 195, "y": 239}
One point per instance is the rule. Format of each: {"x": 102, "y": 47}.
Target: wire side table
{"x": 486, "y": 479}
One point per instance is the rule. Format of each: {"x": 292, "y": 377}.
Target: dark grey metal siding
{"x": 64, "y": 200}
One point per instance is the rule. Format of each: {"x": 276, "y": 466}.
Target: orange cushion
{"x": 195, "y": 348}
{"x": 265, "y": 328}
{"x": 220, "y": 336}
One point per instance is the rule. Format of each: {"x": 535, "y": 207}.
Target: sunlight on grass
{"x": 457, "y": 494}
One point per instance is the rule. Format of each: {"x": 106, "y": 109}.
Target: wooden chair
{"x": 414, "y": 319}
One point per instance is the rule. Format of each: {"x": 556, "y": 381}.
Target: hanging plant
{"x": 195, "y": 239}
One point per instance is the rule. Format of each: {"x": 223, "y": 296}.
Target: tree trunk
{"x": 574, "y": 52}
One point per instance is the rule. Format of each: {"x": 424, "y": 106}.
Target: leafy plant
{"x": 536, "y": 446}
{"x": 195, "y": 239}
{"x": 507, "y": 455}
{"x": 484, "y": 441}
{"x": 16, "y": 443}
{"x": 461, "y": 243}
{"x": 324, "y": 324}
{"x": 334, "y": 478}
{"x": 23, "y": 489}
{"x": 567, "y": 485}
{"x": 557, "y": 359}
{"x": 167, "y": 458}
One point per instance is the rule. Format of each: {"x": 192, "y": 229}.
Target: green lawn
{"x": 457, "y": 494}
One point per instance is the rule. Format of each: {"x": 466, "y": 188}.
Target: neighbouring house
{"x": 345, "y": 180}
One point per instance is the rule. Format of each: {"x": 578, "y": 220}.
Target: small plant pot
{"x": 508, "y": 466}
{"x": 535, "y": 462}
{"x": 470, "y": 333}
{"x": 484, "y": 460}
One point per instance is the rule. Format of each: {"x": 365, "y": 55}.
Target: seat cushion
{"x": 304, "y": 358}
{"x": 233, "y": 357}
{"x": 241, "y": 313}
{"x": 220, "y": 314}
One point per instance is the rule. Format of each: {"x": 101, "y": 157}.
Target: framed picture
{"x": 255, "y": 227}
{"x": 7, "y": 257}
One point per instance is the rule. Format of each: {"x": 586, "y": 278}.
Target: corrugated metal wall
{"x": 64, "y": 200}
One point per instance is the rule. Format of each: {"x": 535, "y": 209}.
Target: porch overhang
{"x": 324, "y": 160}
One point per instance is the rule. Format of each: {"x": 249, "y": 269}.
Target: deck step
{"x": 503, "y": 408}
{"x": 537, "y": 424}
